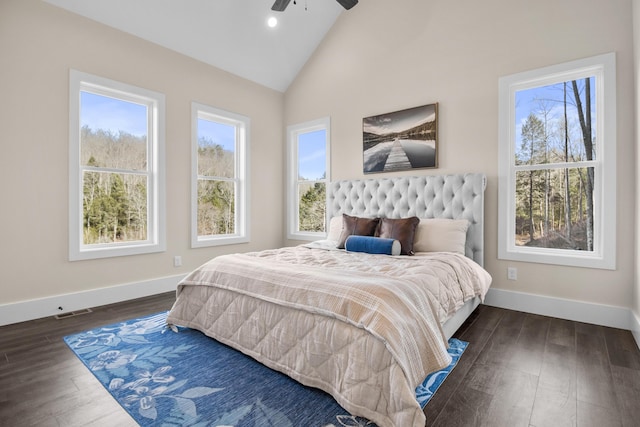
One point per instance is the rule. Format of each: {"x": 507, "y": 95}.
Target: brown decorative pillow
{"x": 402, "y": 230}
{"x": 353, "y": 225}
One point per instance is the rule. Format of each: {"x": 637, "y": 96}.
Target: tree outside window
{"x": 113, "y": 153}
{"x": 554, "y": 180}
{"x": 312, "y": 175}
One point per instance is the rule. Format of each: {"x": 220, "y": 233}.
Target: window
{"x": 116, "y": 177}
{"x": 219, "y": 192}
{"x": 308, "y": 175}
{"x": 557, "y": 195}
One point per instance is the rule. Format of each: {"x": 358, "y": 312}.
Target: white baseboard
{"x": 635, "y": 327}
{"x": 65, "y": 303}
{"x": 580, "y": 311}
{"x": 599, "y": 314}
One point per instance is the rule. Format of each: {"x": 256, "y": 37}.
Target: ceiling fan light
{"x": 281, "y": 5}
{"x": 272, "y": 22}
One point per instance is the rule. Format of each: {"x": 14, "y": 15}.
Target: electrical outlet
{"x": 512, "y": 273}
{"x": 177, "y": 261}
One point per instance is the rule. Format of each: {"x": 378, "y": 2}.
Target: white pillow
{"x": 441, "y": 235}
{"x": 335, "y": 228}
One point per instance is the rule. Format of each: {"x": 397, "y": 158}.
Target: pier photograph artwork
{"x": 401, "y": 140}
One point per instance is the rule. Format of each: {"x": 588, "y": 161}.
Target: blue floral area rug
{"x": 425, "y": 391}
{"x": 163, "y": 378}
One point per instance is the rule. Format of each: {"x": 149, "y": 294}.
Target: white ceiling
{"x": 229, "y": 34}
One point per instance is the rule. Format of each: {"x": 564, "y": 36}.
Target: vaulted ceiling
{"x": 232, "y": 35}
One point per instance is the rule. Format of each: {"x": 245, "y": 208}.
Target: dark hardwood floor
{"x": 42, "y": 383}
{"x": 519, "y": 370}
{"x": 527, "y": 370}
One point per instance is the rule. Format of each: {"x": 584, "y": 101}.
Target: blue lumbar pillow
{"x": 372, "y": 245}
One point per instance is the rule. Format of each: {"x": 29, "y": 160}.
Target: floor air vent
{"x": 73, "y": 313}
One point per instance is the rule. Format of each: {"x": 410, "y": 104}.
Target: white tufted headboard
{"x": 436, "y": 196}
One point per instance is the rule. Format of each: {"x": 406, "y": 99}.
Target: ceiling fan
{"x": 281, "y": 5}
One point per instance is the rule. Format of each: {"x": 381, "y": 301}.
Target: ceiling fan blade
{"x": 347, "y": 4}
{"x": 281, "y": 5}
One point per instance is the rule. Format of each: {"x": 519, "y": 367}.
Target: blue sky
{"x": 532, "y": 99}
{"x": 312, "y": 154}
{"x": 115, "y": 115}
{"x": 110, "y": 114}
{"x": 549, "y": 97}
{"x": 219, "y": 133}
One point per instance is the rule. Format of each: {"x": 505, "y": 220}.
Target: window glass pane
{"x": 114, "y": 132}
{"x": 556, "y": 123}
{"x": 312, "y": 206}
{"x": 114, "y": 207}
{"x": 552, "y": 208}
{"x": 312, "y": 155}
{"x": 216, "y": 207}
{"x": 216, "y": 149}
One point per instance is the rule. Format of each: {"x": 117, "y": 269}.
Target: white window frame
{"x": 603, "y": 67}
{"x": 242, "y": 125}
{"x": 155, "y": 102}
{"x": 293, "y": 211}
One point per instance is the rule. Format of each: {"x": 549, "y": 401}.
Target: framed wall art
{"x": 402, "y": 140}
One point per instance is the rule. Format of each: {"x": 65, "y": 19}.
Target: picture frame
{"x": 401, "y": 140}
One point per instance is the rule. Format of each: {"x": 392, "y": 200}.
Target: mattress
{"x": 364, "y": 328}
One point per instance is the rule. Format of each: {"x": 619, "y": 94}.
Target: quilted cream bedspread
{"x": 364, "y": 328}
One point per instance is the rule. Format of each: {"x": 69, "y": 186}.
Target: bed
{"x": 365, "y": 328}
